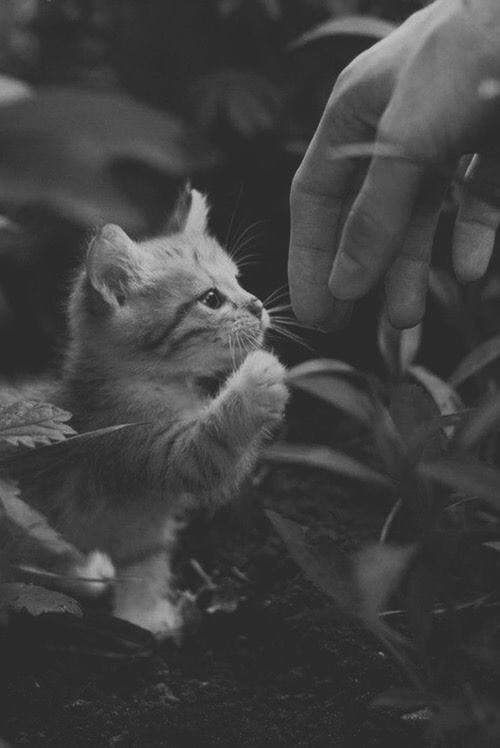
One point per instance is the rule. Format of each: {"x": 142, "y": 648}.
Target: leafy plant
{"x": 432, "y": 457}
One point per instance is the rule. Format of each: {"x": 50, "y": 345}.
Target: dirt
{"x": 283, "y": 668}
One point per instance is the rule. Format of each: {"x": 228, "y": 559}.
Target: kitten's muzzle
{"x": 255, "y": 307}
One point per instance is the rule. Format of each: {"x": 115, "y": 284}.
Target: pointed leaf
{"x": 324, "y": 564}
{"x": 476, "y": 360}
{"x": 352, "y": 25}
{"x": 325, "y": 459}
{"x": 410, "y": 407}
{"x": 398, "y": 348}
{"x": 479, "y": 424}
{"x": 32, "y": 522}
{"x": 329, "y": 380}
{"x": 472, "y": 478}
{"x": 443, "y": 395}
{"x": 446, "y": 291}
{"x": 28, "y": 423}
{"x": 379, "y": 570}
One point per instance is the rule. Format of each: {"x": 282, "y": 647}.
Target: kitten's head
{"x": 168, "y": 305}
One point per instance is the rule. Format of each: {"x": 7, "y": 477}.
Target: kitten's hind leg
{"x": 143, "y": 596}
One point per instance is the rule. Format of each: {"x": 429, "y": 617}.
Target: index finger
{"x": 320, "y": 190}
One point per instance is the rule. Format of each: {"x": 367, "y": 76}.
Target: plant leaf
{"x": 325, "y": 564}
{"x": 446, "y": 291}
{"x": 328, "y": 381}
{"x": 16, "y": 597}
{"x": 476, "y": 360}
{"x": 28, "y": 423}
{"x": 398, "y": 348}
{"x": 410, "y": 407}
{"x": 78, "y": 151}
{"x": 479, "y": 424}
{"x": 32, "y": 522}
{"x": 378, "y": 570}
{"x": 351, "y": 25}
{"x": 472, "y": 478}
{"x": 325, "y": 459}
{"x": 445, "y": 397}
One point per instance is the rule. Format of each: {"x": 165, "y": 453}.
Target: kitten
{"x": 164, "y": 337}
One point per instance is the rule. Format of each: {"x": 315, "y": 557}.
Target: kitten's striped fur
{"x": 148, "y": 341}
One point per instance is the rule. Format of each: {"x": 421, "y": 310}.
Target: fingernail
{"x": 348, "y": 278}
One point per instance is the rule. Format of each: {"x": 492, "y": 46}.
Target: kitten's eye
{"x": 213, "y": 299}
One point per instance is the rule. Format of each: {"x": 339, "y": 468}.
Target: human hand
{"x": 420, "y": 93}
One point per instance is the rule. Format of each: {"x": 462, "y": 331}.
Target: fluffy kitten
{"x": 156, "y": 329}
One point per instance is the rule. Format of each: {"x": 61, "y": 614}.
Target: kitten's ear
{"x": 197, "y": 220}
{"x": 189, "y": 214}
{"x": 113, "y": 268}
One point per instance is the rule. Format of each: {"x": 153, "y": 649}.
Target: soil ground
{"x": 282, "y": 669}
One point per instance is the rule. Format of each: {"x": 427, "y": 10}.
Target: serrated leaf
{"x": 472, "y": 478}
{"x": 30, "y": 423}
{"x": 16, "y": 597}
{"x": 326, "y": 459}
{"x": 329, "y": 380}
{"x": 476, "y": 360}
{"x": 349, "y": 25}
{"x": 324, "y": 564}
{"x": 398, "y": 348}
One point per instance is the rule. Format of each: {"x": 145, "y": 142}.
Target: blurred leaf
{"x": 479, "y": 424}
{"x": 87, "y": 634}
{"x": 446, "y": 291}
{"x": 328, "y": 381}
{"x": 445, "y": 397}
{"x": 325, "y": 459}
{"x": 28, "y": 423}
{"x": 472, "y": 478}
{"x": 17, "y": 598}
{"x": 379, "y": 570}
{"x": 355, "y": 25}
{"x": 389, "y": 442}
{"x": 398, "y": 348}
{"x": 61, "y": 149}
{"x": 411, "y": 406}
{"x": 324, "y": 564}
{"x": 427, "y": 431}
{"x": 476, "y": 360}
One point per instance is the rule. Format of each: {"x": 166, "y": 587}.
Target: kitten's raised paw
{"x": 262, "y": 379}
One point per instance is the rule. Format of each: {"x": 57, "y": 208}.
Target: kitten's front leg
{"x": 251, "y": 403}
{"x": 143, "y": 596}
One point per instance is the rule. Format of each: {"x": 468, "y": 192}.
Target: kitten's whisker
{"x": 281, "y": 289}
{"x": 233, "y": 251}
{"x": 293, "y": 337}
{"x": 277, "y": 299}
{"x": 240, "y": 254}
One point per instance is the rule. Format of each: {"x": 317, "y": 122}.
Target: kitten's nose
{"x": 255, "y": 307}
